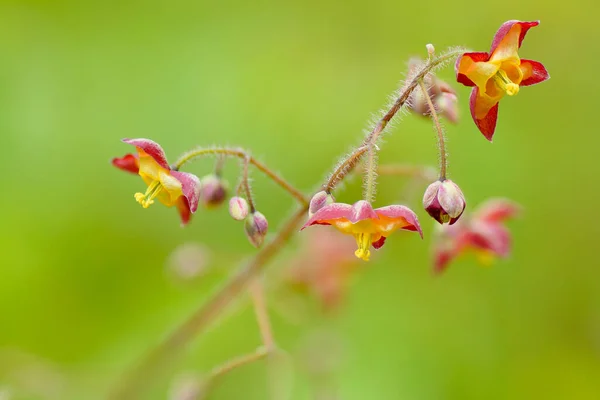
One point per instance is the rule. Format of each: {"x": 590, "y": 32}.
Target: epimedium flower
{"x": 497, "y": 73}
{"x": 444, "y": 201}
{"x": 169, "y": 186}
{"x": 370, "y": 227}
{"x": 483, "y": 233}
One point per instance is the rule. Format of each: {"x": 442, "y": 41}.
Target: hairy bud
{"x": 444, "y": 201}
{"x": 238, "y": 208}
{"x": 256, "y": 226}
{"x": 213, "y": 191}
{"x": 318, "y": 201}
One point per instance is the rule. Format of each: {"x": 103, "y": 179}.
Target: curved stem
{"x": 138, "y": 380}
{"x": 343, "y": 169}
{"x": 241, "y": 153}
{"x": 438, "y": 129}
{"x": 383, "y": 122}
{"x": 246, "y": 185}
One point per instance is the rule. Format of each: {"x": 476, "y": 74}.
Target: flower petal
{"x": 329, "y": 212}
{"x": 152, "y": 149}
{"x": 497, "y": 210}
{"x": 533, "y": 72}
{"x": 184, "y": 210}
{"x": 128, "y": 163}
{"x": 190, "y": 187}
{"x": 441, "y": 260}
{"x": 486, "y": 124}
{"x": 378, "y": 243}
{"x": 491, "y": 236}
{"x": 465, "y": 62}
{"x": 508, "y": 39}
{"x": 402, "y": 216}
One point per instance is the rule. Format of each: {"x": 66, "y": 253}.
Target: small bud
{"x": 430, "y": 49}
{"x": 444, "y": 201}
{"x": 213, "y": 191}
{"x": 238, "y": 208}
{"x": 256, "y": 228}
{"x": 447, "y": 104}
{"x": 318, "y": 201}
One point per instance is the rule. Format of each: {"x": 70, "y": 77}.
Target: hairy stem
{"x": 246, "y": 184}
{"x": 241, "y": 153}
{"x": 370, "y": 174}
{"x": 155, "y": 363}
{"x": 404, "y": 95}
{"x": 438, "y": 129}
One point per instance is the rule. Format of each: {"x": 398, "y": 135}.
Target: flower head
{"x": 169, "y": 186}
{"x": 256, "y": 226}
{"x": 444, "y": 201}
{"x": 368, "y": 226}
{"x": 497, "y": 73}
{"x": 483, "y": 233}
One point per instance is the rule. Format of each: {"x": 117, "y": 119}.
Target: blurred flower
{"x": 213, "y": 191}
{"x": 170, "y": 187}
{"x": 482, "y": 232}
{"x": 238, "y": 208}
{"x": 442, "y": 95}
{"x": 444, "y": 201}
{"x": 368, "y": 226}
{"x": 497, "y": 73}
{"x": 323, "y": 266}
{"x": 188, "y": 261}
{"x": 256, "y": 227}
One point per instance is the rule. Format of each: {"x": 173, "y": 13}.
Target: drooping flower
{"x": 256, "y": 226}
{"x": 169, "y": 186}
{"x": 499, "y": 72}
{"x": 444, "y": 201}
{"x": 368, "y": 226}
{"x": 213, "y": 191}
{"x": 238, "y": 208}
{"x": 483, "y": 232}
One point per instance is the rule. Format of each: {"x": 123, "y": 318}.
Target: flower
{"x": 318, "y": 201}
{"x": 483, "y": 232}
{"x": 497, "y": 73}
{"x": 238, "y": 208}
{"x": 169, "y": 186}
{"x": 256, "y": 226}
{"x": 368, "y": 226}
{"x": 213, "y": 192}
{"x": 444, "y": 201}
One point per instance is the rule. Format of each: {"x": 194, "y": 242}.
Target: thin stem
{"x": 371, "y": 175}
{"x": 246, "y": 184}
{"x": 438, "y": 129}
{"x": 383, "y": 122}
{"x": 344, "y": 168}
{"x": 262, "y": 315}
{"x": 156, "y": 361}
{"x": 237, "y": 362}
{"x": 241, "y": 153}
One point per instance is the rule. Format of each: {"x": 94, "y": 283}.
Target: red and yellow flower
{"x": 167, "y": 185}
{"x": 497, "y": 73}
{"x": 368, "y": 226}
{"x": 483, "y": 233}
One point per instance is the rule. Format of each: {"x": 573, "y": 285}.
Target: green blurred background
{"x": 84, "y": 291}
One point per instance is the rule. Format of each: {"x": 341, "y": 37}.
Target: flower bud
{"x": 446, "y": 102}
{"x": 256, "y": 226}
{"x": 444, "y": 201}
{"x": 238, "y": 208}
{"x": 318, "y": 201}
{"x": 213, "y": 192}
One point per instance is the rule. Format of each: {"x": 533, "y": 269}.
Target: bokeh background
{"x": 85, "y": 286}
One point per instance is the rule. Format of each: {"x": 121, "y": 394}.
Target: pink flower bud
{"x": 238, "y": 208}
{"x": 213, "y": 192}
{"x": 444, "y": 201}
{"x": 256, "y": 228}
{"x": 318, "y": 201}
{"x": 446, "y": 103}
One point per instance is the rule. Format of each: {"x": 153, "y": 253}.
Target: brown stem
{"x": 438, "y": 129}
{"x": 138, "y": 380}
{"x": 344, "y": 168}
{"x": 241, "y": 153}
{"x": 372, "y": 137}
{"x": 246, "y": 184}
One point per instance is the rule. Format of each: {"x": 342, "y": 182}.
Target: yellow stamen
{"x": 363, "y": 240}
{"x": 504, "y": 83}
{"x": 145, "y": 199}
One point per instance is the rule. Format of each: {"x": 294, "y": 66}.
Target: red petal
{"x": 379, "y": 243}
{"x": 497, "y": 210}
{"x": 475, "y": 57}
{"x": 538, "y": 72}
{"x": 397, "y": 211}
{"x": 505, "y": 28}
{"x": 492, "y": 237}
{"x": 190, "y": 186}
{"x": 441, "y": 259}
{"x": 486, "y": 125}
{"x": 184, "y": 210}
{"x": 151, "y": 148}
{"x": 128, "y": 163}
{"x": 329, "y": 212}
